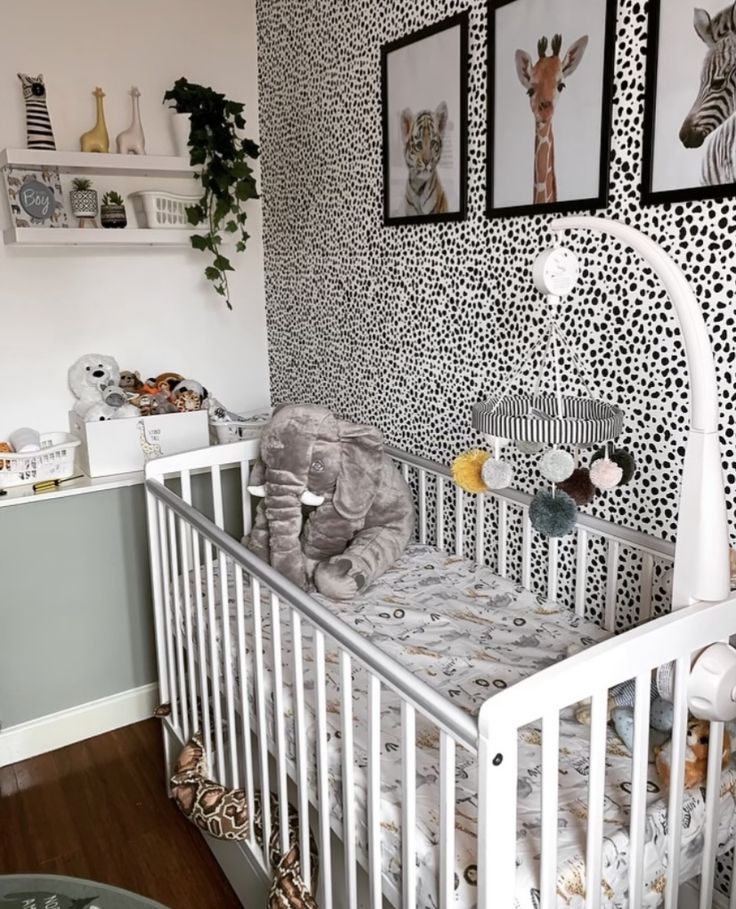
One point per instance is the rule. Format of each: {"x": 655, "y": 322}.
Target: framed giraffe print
{"x": 424, "y": 96}
{"x": 690, "y": 110}
{"x": 550, "y": 87}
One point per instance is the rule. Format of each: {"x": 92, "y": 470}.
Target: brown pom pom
{"x": 579, "y": 487}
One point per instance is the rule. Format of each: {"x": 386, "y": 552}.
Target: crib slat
{"x": 245, "y": 497}
{"x": 374, "y": 792}
{"x": 440, "y": 506}
{"x": 278, "y": 718}
{"x": 227, "y": 668}
{"x": 581, "y": 572}
{"x": 732, "y": 891}
{"x": 204, "y": 700}
{"x": 639, "y": 769}
{"x": 459, "y": 508}
{"x": 712, "y": 819}
{"x": 596, "y": 783}
{"x": 186, "y": 485}
{"x": 217, "y": 496}
{"x": 301, "y": 747}
{"x": 172, "y": 680}
{"x": 408, "y": 805}
{"x": 185, "y": 547}
{"x": 480, "y": 520}
{"x": 503, "y": 530}
{"x": 325, "y": 874}
{"x": 612, "y": 558}
{"x": 423, "y": 506}
{"x": 260, "y": 685}
{"x": 677, "y": 771}
{"x": 550, "y": 782}
{"x": 447, "y": 820}
{"x": 173, "y": 555}
{"x": 526, "y": 550}
{"x": 244, "y": 702}
{"x": 348, "y": 779}
{"x": 645, "y": 597}
{"x": 405, "y": 471}
{"x": 552, "y": 561}
{"x": 214, "y": 661}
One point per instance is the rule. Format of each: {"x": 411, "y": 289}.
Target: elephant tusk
{"x": 257, "y": 491}
{"x": 311, "y": 498}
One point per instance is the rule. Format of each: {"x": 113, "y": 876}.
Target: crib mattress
{"x": 468, "y": 633}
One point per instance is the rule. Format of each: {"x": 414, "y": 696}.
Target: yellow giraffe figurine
{"x": 97, "y": 139}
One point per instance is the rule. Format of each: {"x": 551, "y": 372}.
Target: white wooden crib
{"x": 293, "y": 698}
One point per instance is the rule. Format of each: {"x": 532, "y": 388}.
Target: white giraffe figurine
{"x": 132, "y": 141}
{"x": 150, "y": 449}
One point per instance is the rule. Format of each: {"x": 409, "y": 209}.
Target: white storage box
{"x": 122, "y": 446}
{"x": 55, "y": 461}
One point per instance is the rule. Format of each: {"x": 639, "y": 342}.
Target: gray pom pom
{"x": 553, "y": 515}
{"x": 497, "y": 474}
{"x": 557, "y": 465}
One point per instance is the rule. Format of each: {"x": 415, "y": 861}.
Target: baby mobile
{"x": 546, "y": 424}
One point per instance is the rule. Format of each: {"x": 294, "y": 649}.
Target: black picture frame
{"x": 590, "y": 203}
{"x": 650, "y": 196}
{"x": 459, "y": 21}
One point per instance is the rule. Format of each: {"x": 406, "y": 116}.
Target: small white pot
{"x": 181, "y": 126}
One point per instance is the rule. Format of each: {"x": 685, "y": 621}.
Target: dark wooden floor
{"x": 98, "y": 810}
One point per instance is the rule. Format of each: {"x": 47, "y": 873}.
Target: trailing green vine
{"x": 222, "y": 157}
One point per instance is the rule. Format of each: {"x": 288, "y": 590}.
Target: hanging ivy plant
{"x": 222, "y": 157}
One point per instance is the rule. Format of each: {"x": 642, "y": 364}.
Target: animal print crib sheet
{"x": 469, "y": 633}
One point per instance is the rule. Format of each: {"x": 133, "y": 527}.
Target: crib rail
{"x": 583, "y": 571}
{"x": 675, "y": 639}
{"x": 249, "y": 748}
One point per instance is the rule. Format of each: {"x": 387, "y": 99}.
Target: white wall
{"x": 150, "y": 308}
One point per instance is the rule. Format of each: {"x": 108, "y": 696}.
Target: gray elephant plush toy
{"x": 335, "y": 512}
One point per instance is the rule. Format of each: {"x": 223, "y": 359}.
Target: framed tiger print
{"x": 424, "y": 98}
{"x": 690, "y": 109}
{"x": 550, "y": 88}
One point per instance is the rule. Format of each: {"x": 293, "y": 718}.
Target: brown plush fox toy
{"x": 696, "y": 755}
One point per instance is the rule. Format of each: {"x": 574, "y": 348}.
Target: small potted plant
{"x": 83, "y": 199}
{"x": 112, "y": 212}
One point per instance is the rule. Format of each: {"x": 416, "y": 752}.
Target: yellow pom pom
{"x": 466, "y": 471}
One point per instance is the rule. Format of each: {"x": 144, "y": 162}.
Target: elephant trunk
{"x": 283, "y": 509}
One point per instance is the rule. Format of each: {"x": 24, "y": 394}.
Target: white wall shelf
{"x": 99, "y": 236}
{"x": 90, "y": 163}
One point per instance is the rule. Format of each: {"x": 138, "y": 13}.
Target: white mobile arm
{"x": 702, "y": 552}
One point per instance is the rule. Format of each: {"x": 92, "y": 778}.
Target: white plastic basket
{"x": 159, "y": 210}
{"x": 250, "y": 427}
{"x": 55, "y": 461}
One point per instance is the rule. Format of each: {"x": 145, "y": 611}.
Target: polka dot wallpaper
{"x": 406, "y": 327}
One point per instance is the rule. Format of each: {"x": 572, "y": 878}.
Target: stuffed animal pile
{"x": 104, "y": 392}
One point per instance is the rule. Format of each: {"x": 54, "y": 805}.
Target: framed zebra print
{"x": 550, "y": 89}
{"x": 690, "y": 111}
{"x": 424, "y": 100}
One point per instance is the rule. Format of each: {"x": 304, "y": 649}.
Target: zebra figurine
{"x": 38, "y": 122}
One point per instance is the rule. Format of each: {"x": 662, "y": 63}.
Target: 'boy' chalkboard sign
{"x": 35, "y": 197}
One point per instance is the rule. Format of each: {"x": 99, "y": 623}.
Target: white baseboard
{"x": 57, "y": 730}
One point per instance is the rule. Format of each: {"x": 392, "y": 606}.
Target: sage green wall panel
{"x": 76, "y": 621}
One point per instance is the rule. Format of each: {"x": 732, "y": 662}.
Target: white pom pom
{"x": 605, "y": 474}
{"x": 556, "y": 465}
{"x": 529, "y": 448}
{"x": 497, "y": 474}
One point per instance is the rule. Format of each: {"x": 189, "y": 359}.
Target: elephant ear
{"x": 361, "y": 462}
{"x": 257, "y": 476}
